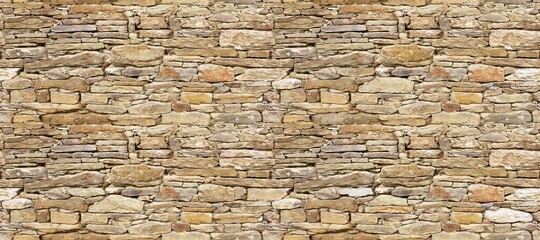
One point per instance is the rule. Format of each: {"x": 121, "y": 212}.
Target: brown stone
{"x": 214, "y": 73}
{"x": 136, "y": 175}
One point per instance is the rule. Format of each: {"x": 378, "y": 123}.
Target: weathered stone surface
{"x": 484, "y": 73}
{"x": 150, "y": 227}
{"x": 137, "y": 175}
{"x": 75, "y": 180}
{"x": 246, "y": 39}
{"x": 387, "y": 85}
{"x": 456, "y": 235}
{"x": 507, "y": 215}
{"x": 187, "y": 118}
{"x": 407, "y": 55}
{"x": 420, "y": 228}
{"x": 117, "y": 204}
{"x": 214, "y": 73}
{"x": 484, "y": 193}
{"x": 215, "y": 193}
{"x": 186, "y": 235}
{"x": 457, "y": 118}
{"x": 345, "y": 180}
{"x": 514, "y": 159}
{"x": 350, "y": 59}
{"x": 406, "y": 171}
{"x": 137, "y": 55}
{"x": 80, "y": 59}
{"x": 514, "y": 39}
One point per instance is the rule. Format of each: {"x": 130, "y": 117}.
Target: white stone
{"x": 356, "y": 192}
{"x": 507, "y": 215}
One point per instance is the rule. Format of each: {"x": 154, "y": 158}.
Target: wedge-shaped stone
{"x": 397, "y": 171}
{"x": 352, "y": 59}
{"x": 83, "y": 59}
{"x": 345, "y": 180}
{"x": 137, "y": 55}
{"x": 246, "y": 39}
{"x": 186, "y": 118}
{"x": 387, "y": 85}
{"x": 515, "y": 159}
{"x": 136, "y": 175}
{"x": 76, "y": 180}
{"x": 407, "y": 55}
{"x": 515, "y": 39}
{"x": 117, "y": 204}
{"x": 507, "y": 215}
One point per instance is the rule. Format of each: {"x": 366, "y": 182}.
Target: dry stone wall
{"x": 269, "y": 119}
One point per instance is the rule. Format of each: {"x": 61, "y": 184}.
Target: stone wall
{"x": 269, "y": 119}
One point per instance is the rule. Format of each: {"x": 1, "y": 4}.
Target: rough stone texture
{"x": 269, "y": 119}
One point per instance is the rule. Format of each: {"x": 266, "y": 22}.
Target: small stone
{"x": 248, "y": 235}
{"x": 196, "y": 218}
{"x": 8, "y": 73}
{"x": 356, "y": 192}
{"x": 349, "y": 59}
{"x": 214, "y": 73}
{"x": 397, "y": 171}
{"x": 420, "y": 108}
{"x": 196, "y": 98}
{"x": 507, "y": 215}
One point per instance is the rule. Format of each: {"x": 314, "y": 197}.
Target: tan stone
{"x": 484, "y": 73}
{"x": 406, "y": 55}
{"x": 246, "y": 39}
{"x": 137, "y": 55}
{"x": 215, "y": 193}
{"x": 196, "y": 218}
{"x": 117, "y": 204}
{"x": 466, "y": 217}
{"x": 214, "y": 73}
